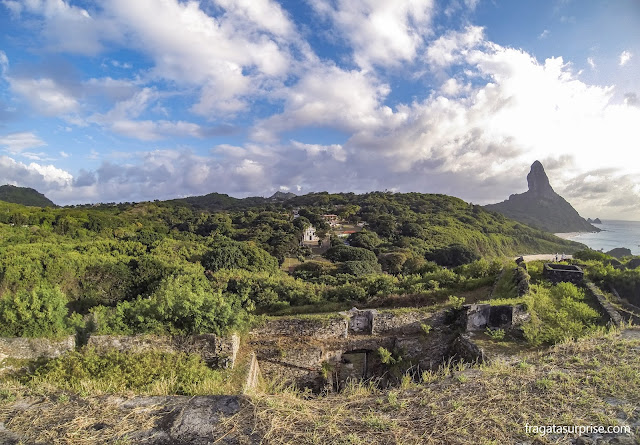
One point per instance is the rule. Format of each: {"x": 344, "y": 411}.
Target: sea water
{"x": 613, "y": 234}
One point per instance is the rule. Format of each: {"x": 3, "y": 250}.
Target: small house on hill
{"x": 332, "y": 220}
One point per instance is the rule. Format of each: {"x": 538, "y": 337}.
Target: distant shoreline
{"x": 569, "y": 235}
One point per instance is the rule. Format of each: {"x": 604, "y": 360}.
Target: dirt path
{"x": 545, "y": 256}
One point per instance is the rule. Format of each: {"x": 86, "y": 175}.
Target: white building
{"x": 309, "y": 235}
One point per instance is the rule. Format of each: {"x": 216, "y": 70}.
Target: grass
{"x": 289, "y": 262}
{"x": 505, "y": 288}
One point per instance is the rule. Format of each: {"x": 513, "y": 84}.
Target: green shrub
{"x": 184, "y": 304}
{"x": 452, "y": 256}
{"x": 40, "y": 312}
{"x": 346, "y": 292}
{"x": 359, "y": 268}
{"x": 151, "y": 372}
{"x": 344, "y": 253}
{"x": 229, "y": 254}
{"x": 589, "y": 254}
{"x": 496, "y": 334}
{"x": 456, "y": 302}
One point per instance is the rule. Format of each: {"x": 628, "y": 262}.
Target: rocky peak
{"x": 538, "y": 180}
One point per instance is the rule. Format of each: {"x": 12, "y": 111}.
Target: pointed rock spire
{"x": 538, "y": 180}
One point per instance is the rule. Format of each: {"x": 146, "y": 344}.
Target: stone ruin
{"x": 325, "y": 352}
{"x": 479, "y": 317}
{"x": 557, "y": 273}
{"x": 360, "y": 321}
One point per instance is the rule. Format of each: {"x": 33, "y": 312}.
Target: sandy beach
{"x": 568, "y": 235}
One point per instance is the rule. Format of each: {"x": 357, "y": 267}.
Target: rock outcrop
{"x": 542, "y": 207}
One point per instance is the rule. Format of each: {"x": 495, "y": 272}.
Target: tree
{"x": 452, "y": 256}
{"x": 346, "y": 253}
{"x": 229, "y": 254}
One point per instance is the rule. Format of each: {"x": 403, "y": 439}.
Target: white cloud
{"x": 147, "y": 130}
{"x": 45, "y": 95}
{"x": 122, "y": 119}
{"x": 4, "y": 63}
{"x": 17, "y": 142}
{"x": 380, "y": 33}
{"x": 44, "y": 178}
{"x": 625, "y": 56}
{"x": 237, "y": 54}
{"x": 591, "y": 63}
{"x": 65, "y": 27}
{"x": 193, "y": 48}
{"x": 335, "y": 151}
{"x": 266, "y": 15}
{"x": 328, "y": 96}
{"x": 544, "y": 34}
{"x": 450, "y": 48}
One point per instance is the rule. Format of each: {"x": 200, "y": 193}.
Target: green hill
{"x": 25, "y": 196}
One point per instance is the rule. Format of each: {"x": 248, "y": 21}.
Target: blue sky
{"x": 156, "y": 99}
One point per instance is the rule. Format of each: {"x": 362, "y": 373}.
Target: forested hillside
{"x": 25, "y": 196}
{"x": 175, "y": 267}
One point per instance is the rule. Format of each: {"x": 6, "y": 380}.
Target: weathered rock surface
{"x": 192, "y": 420}
{"x": 34, "y": 348}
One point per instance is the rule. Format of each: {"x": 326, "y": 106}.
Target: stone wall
{"x": 34, "y": 348}
{"x": 403, "y": 322}
{"x": 317, "y": 327}
{"x": 522, "y": 279}
{"x": 605, "y": 308}
{"x": 557, "y": 273}
{"x": 215, "y": 351}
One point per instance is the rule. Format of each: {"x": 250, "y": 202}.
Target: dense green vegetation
{"x": 185, "y": 266}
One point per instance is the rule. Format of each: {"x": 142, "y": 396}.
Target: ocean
{"x": 614, "y": 234}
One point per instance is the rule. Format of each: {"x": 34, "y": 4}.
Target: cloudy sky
{"x": 136, "y": 100}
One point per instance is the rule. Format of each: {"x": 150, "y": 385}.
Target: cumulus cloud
{"x": 380, "y": 33}
{"x": 45, "y": 95}
{"x": 625, "y": 56}
{"x": 328, "y": 96}
{"x": 190, "y": 47}
{"x": 452, "y": 46}
{"x": 44, "y": 178}
{"x": 489, "y": 110}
